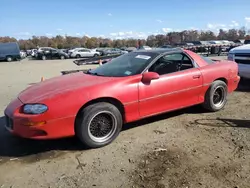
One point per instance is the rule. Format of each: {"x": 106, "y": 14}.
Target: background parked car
{"x": 71, "y": 50}
{"x": 63, "y": 50}
{"x": 241, "y": 55}
{"x": 52, "y": 54}
{"x": 31, "y": 52}
{"x": 23, "y": 54}
{"x": 166, "y": 46}
{"x": 45, "y": 49}
{"x": 131, "y": 49}
{"x": 9, "y": 51}
{"x": 144, "y": 48}
{"x": 84, "y": 52}
{"x": 113, "y": 51}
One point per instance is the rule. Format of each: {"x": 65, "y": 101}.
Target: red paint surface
{"x": 65, "y": 95}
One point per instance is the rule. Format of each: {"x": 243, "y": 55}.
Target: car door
{"x": 85, "y": 53}
{"x": 54, "y": 54}
{"x": 82, "y": 53}
{"x": 90, "y": 53}
{"x": 179, "y": 85}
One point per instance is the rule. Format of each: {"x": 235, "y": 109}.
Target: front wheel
{"x": 99, "y": 124}
{"x": 9, "y": 58}
{"x": 216, "y": 96}
{"x": 62, "y": 57}
{"x": 44, "y": 57}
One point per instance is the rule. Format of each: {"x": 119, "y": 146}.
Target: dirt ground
{"x": 189, "y": 148}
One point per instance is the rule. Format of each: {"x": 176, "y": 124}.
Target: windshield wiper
{"x": 87, "y": 72}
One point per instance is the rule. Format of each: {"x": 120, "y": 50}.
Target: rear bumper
{"x": 233, "y": 84}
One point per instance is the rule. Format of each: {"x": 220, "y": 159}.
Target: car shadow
{"x": 197, "y": 109}
{"x": 223, "y": 122}
{"x": 15, "y": 147}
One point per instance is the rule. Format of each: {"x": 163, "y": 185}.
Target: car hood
{"x": 59, "y": 85}
{"x": 241, "y": 49}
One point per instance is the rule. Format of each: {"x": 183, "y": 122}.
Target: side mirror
{"x": 148, "y": 76}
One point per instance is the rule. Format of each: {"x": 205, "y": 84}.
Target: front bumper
{"x": 244, "y": 71}
{"x": 233, "y": 84}
{"x": 72, "y": 55}
{"x": 36, "y": 126}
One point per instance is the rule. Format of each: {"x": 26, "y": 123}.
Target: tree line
{"x": 171, "y": 38}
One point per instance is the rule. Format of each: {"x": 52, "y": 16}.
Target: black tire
{"x": 44, "y": 57}
{"x": 9, "y": 58}
{"x": 95, "y": 55}
{"x": 62, "y": 57}
{"x": 102, "y": 110}
{"x": 216, "y": 96}
{"x": 78, "y": 56}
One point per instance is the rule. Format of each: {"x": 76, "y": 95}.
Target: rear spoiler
{"x": 74, "y": 71}
{"x": 95, "y": 60}
{"x": 216, "y": 59}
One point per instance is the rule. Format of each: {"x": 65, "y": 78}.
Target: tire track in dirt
{"x": 174, "y": 168}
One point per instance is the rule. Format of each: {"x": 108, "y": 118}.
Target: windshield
{"x": 125, "y": 65}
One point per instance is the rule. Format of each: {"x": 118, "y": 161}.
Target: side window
{"x": 171, "y": 63}
{"x": 186, "y": 63}
{"x": 174, "y": 57}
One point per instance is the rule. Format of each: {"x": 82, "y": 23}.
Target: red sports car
{"x": 95, "y": 105}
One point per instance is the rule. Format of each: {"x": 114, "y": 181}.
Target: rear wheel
{"x": 9, "y": 59}
{"x": 216, "y": 96}
{"x": 62, "y": 57}
{"x": 43, "y": 57}
{"x": 99, "y": 124}
{"x": 78, "y": 56}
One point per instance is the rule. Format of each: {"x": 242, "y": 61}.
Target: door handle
{"x": 196, "y": 76}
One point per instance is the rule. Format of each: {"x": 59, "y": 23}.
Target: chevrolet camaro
{"x": 94, "y": 105}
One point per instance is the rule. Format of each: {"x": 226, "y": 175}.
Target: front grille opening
{"x": 8, "y": 122}
{"x": 241, "y": 61}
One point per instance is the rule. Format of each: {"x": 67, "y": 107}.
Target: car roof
{"x": 162, "y": 50}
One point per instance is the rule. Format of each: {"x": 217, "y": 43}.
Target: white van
{"x": 241, "y": 55}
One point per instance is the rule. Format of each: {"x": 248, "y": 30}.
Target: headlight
{"x": 34, "y": 108}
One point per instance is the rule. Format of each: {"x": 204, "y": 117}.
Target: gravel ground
{"x": 186, "y": 148}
